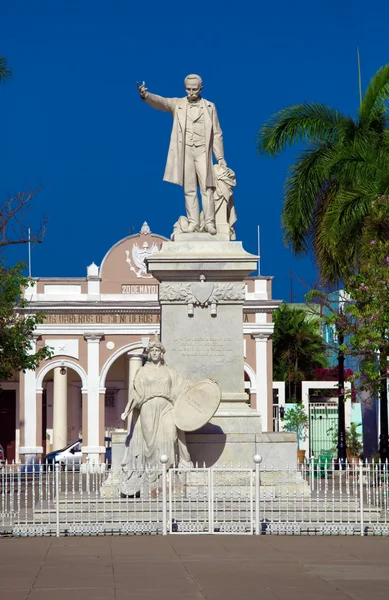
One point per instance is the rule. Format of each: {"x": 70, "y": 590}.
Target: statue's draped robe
{"x": 153, "y": 431}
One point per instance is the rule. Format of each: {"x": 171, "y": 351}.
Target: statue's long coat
{"x": 174, "y": 172}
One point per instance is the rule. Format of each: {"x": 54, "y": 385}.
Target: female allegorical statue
{"x": 153, "y": 431}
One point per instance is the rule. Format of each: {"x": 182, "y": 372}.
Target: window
{"x": 110, "y": 396}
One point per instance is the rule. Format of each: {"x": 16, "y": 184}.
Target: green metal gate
{"x": 323, "y": 427}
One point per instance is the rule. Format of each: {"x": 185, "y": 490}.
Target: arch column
{"x": 60, "y": 408}
{"x": 264, "y": 379}
{"x": 93, "y": 436}
{"x": 30, "y": 447}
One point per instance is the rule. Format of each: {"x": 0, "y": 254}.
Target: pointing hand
{"x": 142, "y": 89}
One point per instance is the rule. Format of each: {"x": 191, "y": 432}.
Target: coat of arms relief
{"x": 138, "y": 256}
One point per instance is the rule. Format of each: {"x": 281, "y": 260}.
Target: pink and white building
{"x": 97, "y": 327}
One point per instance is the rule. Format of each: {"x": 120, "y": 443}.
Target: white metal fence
{"x": 314, "y": 498}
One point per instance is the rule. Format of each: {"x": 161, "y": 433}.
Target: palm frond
{"x": 303, "y": 190}
{"x": 338, "y": 239}
{"x": 301, "y": 123}
{"x": 5, "y": 71}
{"x": 376, "y": 95}
{"x": 359, "y": 161}
{"x": 330, "y": 188}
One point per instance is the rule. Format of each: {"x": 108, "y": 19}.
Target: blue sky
{"x": 73, "y": 122}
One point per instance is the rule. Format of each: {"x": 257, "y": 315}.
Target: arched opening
{"x": 62, "y": 407}
{"x": 116, "y": 394}
{"x": 249, "y": 384}
{"x": 116, "y": 376}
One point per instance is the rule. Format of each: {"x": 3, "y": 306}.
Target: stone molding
{"x": 201, "y": 294}
{"x": 91, "y": 336}
{"x": 261, "y": 335}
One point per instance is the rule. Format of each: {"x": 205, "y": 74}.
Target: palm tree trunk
{"x": 369, "y": 419}
{"x": 342, "y": 449}
{"x": 384, "y": 450}
{"x": 369, "y": 424}
{"x": 289, "y": 380}
{"x": 295, "y": 377}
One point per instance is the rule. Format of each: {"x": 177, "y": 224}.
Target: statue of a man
{"x": 195, "y": 135}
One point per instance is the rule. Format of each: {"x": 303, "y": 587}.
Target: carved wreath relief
{"x": 201, "y": 293}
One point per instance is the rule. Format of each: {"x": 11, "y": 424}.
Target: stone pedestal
{"x": 278, "y": 450}
{"x": 202, "y": 294}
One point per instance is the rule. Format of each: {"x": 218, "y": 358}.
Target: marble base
{"x": 212, "y": 447}
{"x": 279, "y": 452}
{"x": 238, "y": 449}
{"x": 202, "y": 237}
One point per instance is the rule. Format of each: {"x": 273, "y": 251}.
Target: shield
{"x": 197, "y": 405}
{"x": 202, "y": 290}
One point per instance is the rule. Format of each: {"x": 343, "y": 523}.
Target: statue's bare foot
{"x": 210, "y": 228}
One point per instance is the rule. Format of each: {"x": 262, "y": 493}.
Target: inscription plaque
{"x": 219, "y": 348}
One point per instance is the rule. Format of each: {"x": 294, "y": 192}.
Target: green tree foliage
{"x": 298, "y": 348}
{"x": 343, "y": 166}
{"x": 296, "y": 420}
{"x": 362, "y": 309}
{"x": 5, "y": 71}
{"x": 368, "y": 309}
{"x": 16, "y": 325}
{"x": 363, "y": 317}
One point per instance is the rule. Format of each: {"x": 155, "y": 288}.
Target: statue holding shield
{"x": 163, "y": 405}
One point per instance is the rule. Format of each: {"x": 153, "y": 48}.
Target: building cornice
{"x": 92, "y": 307}
{"x": 144, "y": 306}
{"x": 261, "y": 306}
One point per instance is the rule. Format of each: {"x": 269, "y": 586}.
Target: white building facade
{"x": 97, "y": 328}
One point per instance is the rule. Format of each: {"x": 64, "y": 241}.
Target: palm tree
{"x": 5, "y": 71}
{"x": 329, "y": 190}
{"x": 298, "y": 347}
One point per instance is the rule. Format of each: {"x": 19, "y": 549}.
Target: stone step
{"x": 277, "y": 502}
{"x": 32, "y": 529}
{"x": 93, "y": 513}
{"x": 202, "y": 521}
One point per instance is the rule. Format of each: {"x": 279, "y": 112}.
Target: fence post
{"x": 164, "y": 459}
{"x": 312, "y": 473}
{"x": 87, "y": 471}
{"x": 57, "y": 467}
{"x": 257, "y": 461}
{"x": 361, "y": 496}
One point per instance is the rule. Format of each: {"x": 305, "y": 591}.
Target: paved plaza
{"x": 195, "y": 568}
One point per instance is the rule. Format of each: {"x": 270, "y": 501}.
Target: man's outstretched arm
{"x": 158, "y": 102}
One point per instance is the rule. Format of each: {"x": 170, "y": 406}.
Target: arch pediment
{"x": 123, "y": 269}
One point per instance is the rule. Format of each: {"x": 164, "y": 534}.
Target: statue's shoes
{"x": 192, "y": 227}
{"x": 210, "y": 228}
